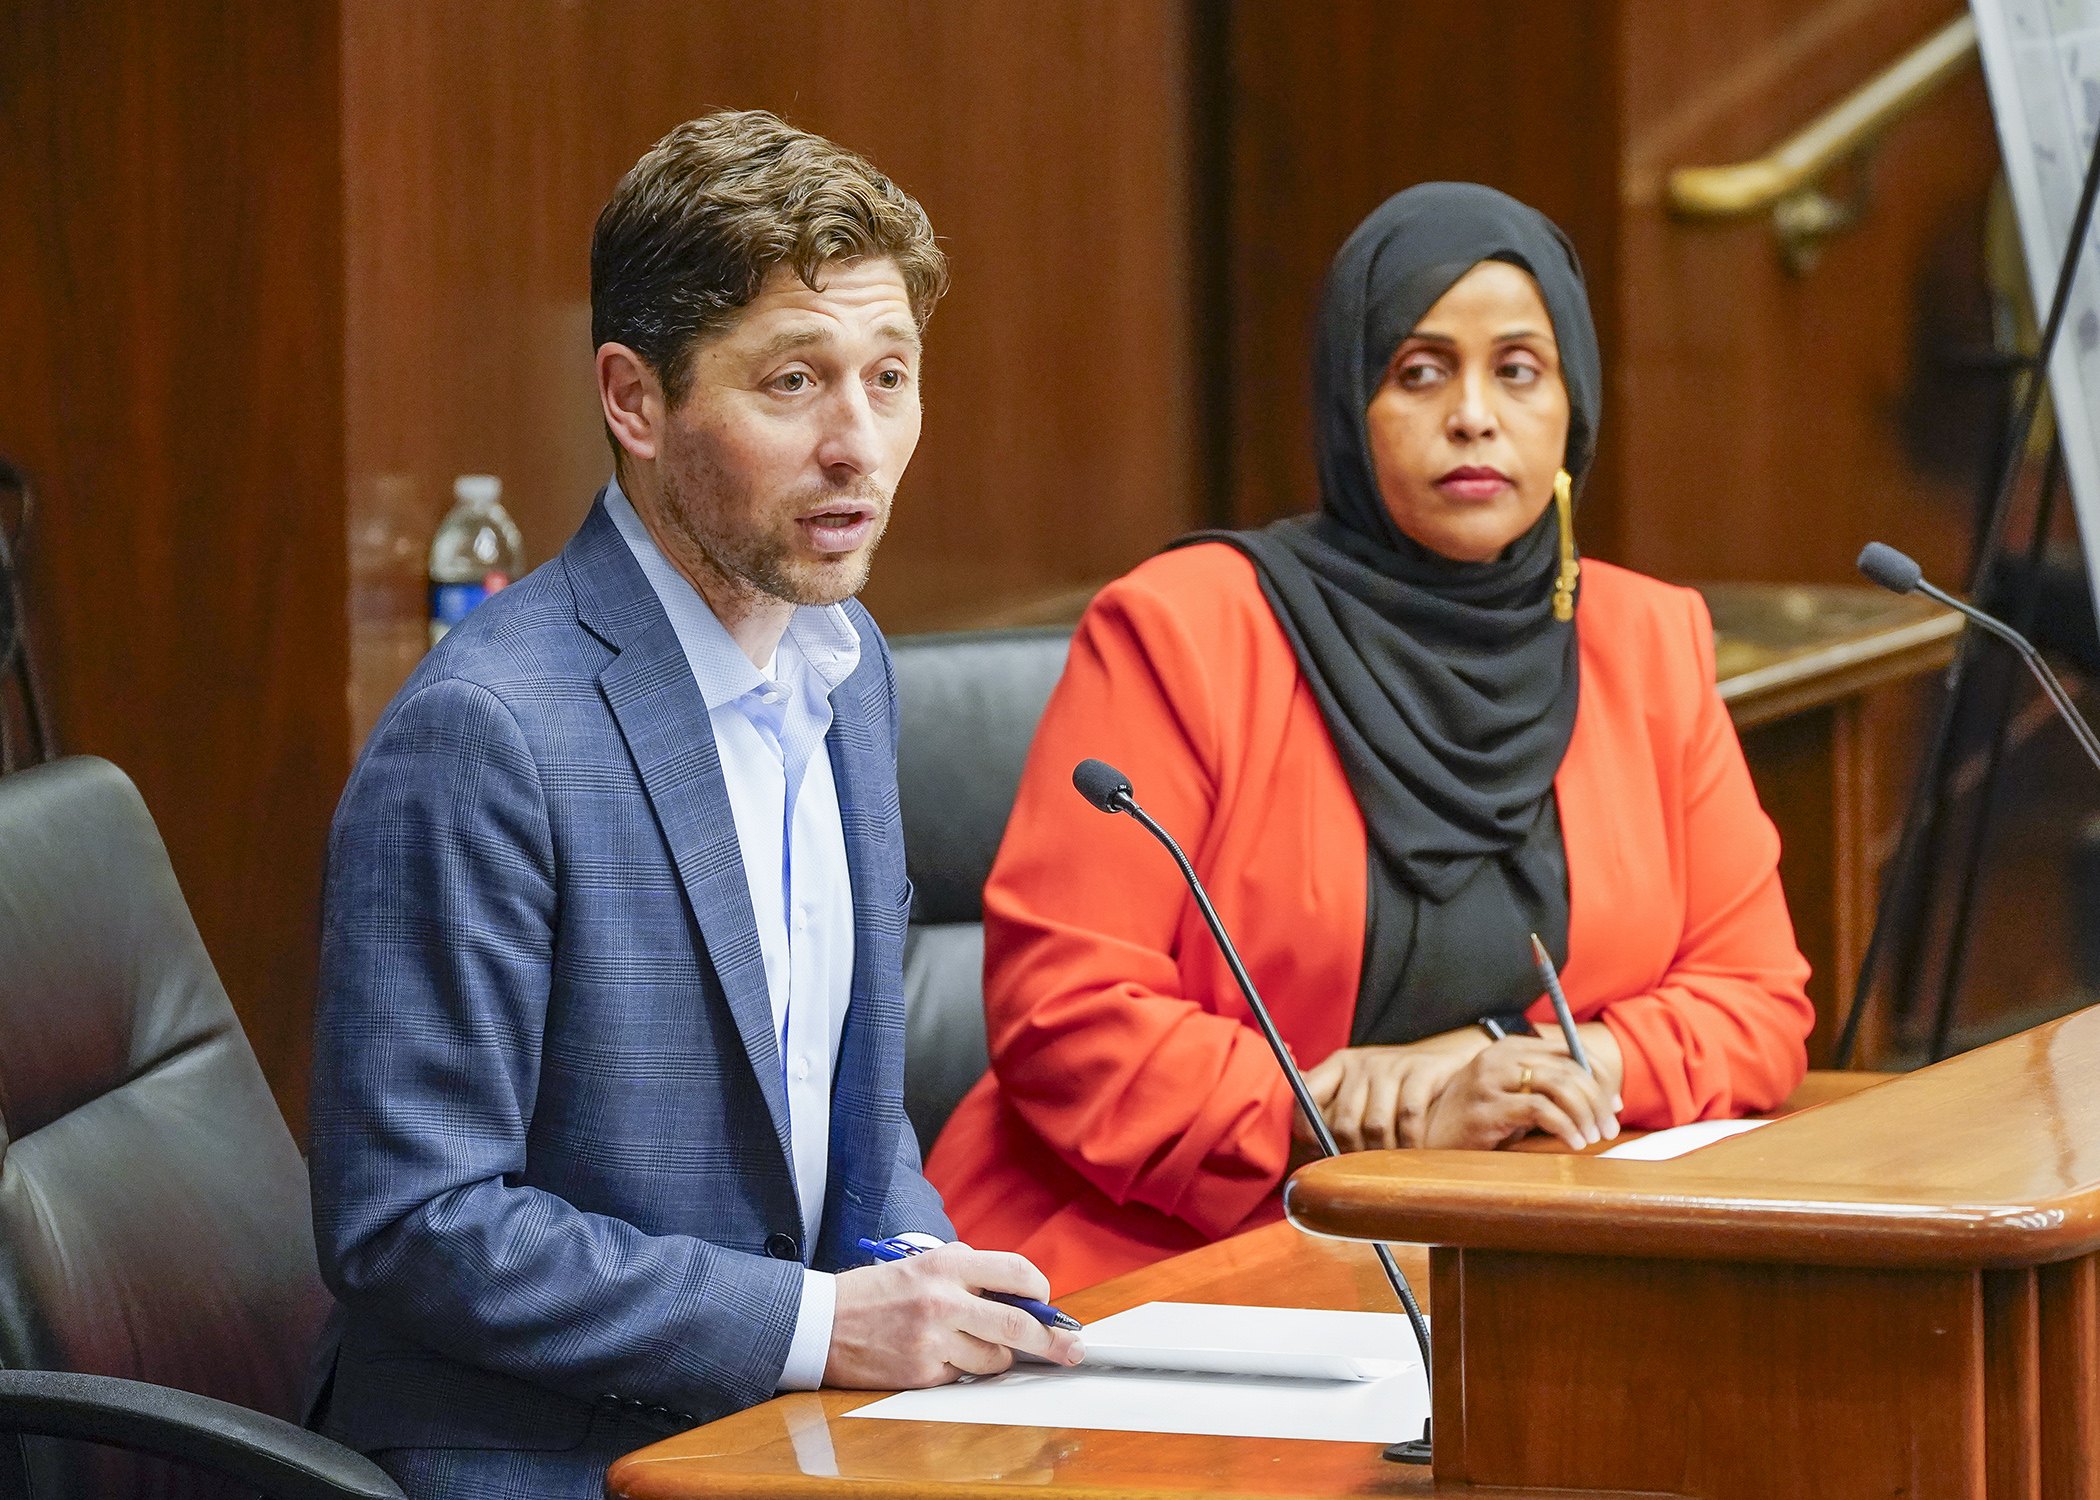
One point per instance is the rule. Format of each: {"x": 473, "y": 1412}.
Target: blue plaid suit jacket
{"x": 549, "y": 1131}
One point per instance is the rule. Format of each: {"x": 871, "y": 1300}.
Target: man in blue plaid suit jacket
{"x": 555, "y": 1182}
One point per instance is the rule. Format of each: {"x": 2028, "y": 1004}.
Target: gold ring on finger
{"x": 1524, "y": 1082}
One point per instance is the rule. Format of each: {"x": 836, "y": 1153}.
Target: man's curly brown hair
{"x": 695, "y": 227}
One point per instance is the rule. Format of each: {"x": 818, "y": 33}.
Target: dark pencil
{"x": 1560, "y": 1005}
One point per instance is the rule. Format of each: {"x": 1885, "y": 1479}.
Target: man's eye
{"x": 794, "y": 380}
{"x": 890, "y": 380}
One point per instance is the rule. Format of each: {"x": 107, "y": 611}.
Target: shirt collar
{"x": 823, "y": 636}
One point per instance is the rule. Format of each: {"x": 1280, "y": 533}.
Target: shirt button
{"x": 801, "y": 1069}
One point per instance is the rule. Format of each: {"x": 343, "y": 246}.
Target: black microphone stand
{"x": 1908, "y": 893}
{"x": 2073, "y": 719}
{"x": 1412, "y": 1451}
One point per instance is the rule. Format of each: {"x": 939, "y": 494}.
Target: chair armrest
{"x": 280, "y": 1460}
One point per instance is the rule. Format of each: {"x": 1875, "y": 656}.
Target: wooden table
{"x": 798, "y": 1446}
{"x": 1789, "y": 648}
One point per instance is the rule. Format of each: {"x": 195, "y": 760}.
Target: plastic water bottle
{"x": 477, "y": 551}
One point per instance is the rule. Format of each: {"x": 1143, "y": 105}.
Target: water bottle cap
{"x": 477, "y": 489}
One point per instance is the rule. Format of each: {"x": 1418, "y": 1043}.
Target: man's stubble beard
{"x": 697, "y": 489}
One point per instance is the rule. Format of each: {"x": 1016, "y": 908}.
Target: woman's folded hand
{"x": 1518, "y": 1085}
{"x": 1378, "y": 1098}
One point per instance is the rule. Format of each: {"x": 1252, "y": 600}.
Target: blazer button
{"x": 783, "y": 1247}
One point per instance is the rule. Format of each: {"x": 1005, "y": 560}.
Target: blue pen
{"x": 1042, "y": 1312}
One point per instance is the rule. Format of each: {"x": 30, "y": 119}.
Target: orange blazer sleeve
{"x": 1114, "y": 1029}
{"x": 1723, "y": 1032}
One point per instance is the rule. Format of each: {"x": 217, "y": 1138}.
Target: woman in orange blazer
{"x": 1396, "y": 738}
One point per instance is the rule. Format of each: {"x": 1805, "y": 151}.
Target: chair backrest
{"x": 968, "y": 708}
{"x": 154, "y": 1221}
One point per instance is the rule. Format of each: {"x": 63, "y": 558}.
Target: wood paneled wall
{"x": 1047, "y": 140}
{"x": 171, "y": 321}
{"x": 1771, "y": 424}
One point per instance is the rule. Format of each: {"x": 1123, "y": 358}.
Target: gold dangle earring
{"x": 1570, "y": 570}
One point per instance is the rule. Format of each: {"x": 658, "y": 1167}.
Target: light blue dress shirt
{"x": 769, "y": 729}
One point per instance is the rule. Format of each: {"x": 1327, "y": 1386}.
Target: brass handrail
{"x": 1785, "y": 180}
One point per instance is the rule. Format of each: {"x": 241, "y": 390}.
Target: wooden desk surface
{"x": 1984, "y": 1160}
{"x": 782, "y": 1448}
{"x": 1783, "y": 647}
{"x": 798, "y": 1446}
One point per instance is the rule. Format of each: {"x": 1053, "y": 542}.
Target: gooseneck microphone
{"x": 1886, "y": 566}
{"x": 1109, "y": 790}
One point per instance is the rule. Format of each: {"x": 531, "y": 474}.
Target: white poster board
{"x": 2041, "y": 60}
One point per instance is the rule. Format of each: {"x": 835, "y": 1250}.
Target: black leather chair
{"x": 968, "y": 708}
{"x": 158, "y": 1287}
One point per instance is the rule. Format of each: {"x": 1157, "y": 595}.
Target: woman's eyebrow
{"x": 1507, "y": 336}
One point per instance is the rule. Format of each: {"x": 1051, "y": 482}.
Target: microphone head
{"x": 1101, "y": 784}
{"x": 1886, "y": 566}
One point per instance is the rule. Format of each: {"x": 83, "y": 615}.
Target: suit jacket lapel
{"x": 867, "y": 1100}
{"x": 658, "y": 706}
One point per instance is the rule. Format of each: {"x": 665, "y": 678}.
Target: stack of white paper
{"x": 1197, "y": 1367}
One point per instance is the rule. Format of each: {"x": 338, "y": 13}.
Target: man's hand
{"x": 917, "y": 1322}
{"x": 1378, "y": 1098}
{"x": 1518, "y": 1085}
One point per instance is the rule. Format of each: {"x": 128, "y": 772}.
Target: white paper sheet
{"x": 1193, "y": 1338}
{"x": 1663, "y": 1145}
{"x": 1386, "y": 1407}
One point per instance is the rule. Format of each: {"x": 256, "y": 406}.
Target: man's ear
{"x": 633, "y": 400}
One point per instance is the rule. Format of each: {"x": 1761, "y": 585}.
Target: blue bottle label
{"x": 450, "y": 602}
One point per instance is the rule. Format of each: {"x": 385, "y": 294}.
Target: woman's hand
{"x": 1521, "y": 1084}
{"x": 1379, "y": 1098}
{"x": 1601, "y": 1045}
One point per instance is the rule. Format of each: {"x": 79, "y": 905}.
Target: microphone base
{"x": 1414, "y": 1451}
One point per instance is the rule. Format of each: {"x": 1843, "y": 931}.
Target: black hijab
{"x": 1449, "y": 689}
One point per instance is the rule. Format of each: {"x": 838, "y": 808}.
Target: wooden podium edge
{"x": 1977, "y": 1162}
{"x": 1581, "y": 1206}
